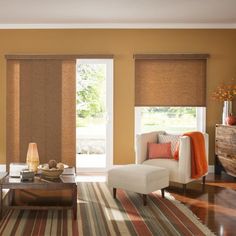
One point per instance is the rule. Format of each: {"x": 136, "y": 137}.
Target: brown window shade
{"x": 41, "y": 108}
{"x": 170, "y": 80}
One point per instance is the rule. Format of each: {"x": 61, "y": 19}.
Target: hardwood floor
{"x": 216, "y": 206}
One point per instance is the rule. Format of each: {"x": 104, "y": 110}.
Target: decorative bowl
{"x": 53, "y": 173}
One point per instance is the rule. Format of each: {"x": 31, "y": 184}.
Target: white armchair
{"x": 180, "y": 171}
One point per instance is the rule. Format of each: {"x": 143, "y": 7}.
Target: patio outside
{"x": 91, "y": 116}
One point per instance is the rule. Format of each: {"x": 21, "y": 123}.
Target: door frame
{"x": 109, "y": 110}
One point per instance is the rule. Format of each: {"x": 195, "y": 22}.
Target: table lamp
{"x": 32, "y": 159}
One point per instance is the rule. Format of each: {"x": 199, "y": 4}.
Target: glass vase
{"x": 227, "y": 110}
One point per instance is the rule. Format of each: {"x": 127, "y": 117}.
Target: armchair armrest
{"x": 141, "y": 144}
{"x": 185, "y": 157}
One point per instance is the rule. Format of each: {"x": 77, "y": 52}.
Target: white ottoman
{"x": 142, "y": 179}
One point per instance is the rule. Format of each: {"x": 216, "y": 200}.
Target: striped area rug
{"x": 100, "y": 214}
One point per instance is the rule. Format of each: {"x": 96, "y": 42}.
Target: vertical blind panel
{"x": 68, "y": 137}
{"x": 40, "y": 106}
{"x": 170, "y": 82}
{"x": 41, "y": 109}
{"x": 53, "y": 110}
{"x": 12, "y": 112}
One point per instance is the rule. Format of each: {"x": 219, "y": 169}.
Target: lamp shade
{"x": 32, "y": 157}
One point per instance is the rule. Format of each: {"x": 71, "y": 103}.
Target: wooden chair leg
{"x": 144, "y": 199}
{"x": 114, "y": 192}
{"x": 163, "y": 193}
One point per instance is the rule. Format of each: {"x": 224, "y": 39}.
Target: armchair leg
{"x": 184, "y": 188}
{"x": 114, "y": 192}
{"x": 203, "y": 182}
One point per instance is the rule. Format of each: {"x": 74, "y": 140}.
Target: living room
{"x": 27, "y": 37}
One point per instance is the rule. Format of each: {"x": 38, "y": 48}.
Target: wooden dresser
{"x": 225, "y": 149}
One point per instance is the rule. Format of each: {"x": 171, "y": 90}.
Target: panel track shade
{"x": 41, "y": 109}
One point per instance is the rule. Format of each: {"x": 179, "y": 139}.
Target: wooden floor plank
{"x": 216, "y": 206}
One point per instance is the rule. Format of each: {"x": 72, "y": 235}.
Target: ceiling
{"x": 117, "y": 13}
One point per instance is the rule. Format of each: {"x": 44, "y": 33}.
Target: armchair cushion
{"x": 172, "y": 138}
{"x": 159, "y": 150}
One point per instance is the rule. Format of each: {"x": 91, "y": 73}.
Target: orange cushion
{"x": 159, "y": 150}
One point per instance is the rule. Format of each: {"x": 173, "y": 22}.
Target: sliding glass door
{"x": 94, "y": 114}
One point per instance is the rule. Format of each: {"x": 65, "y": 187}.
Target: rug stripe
{"x": 21, "y": 225}
{"x": 54, "y": 223}
{"x": 48, "y": 223}
{"x": 105, "y": 213}
{"x": 92, "y": 214}
{"x": 163, "y": 223}
{"x": 18, "y": 216}
{"x": 43, "y": 223}
{"x": 69, "y": 222}
{"x": 38, "y": 223}
{"x": 109, "y": 213}
{"x": 30, "y": 223}
{"x": 5, "y": 221}
{"x": 133, "y": 214}
{"x": 74, "y": 225}
{"x": 91, "y": 223}
{"x": 102, "y": 214}
{"x": 59, "y": 222}
{"x": 64, "y": 223}
{"x": 179, "y": 225}
{"x": 86, "y": 217}
{"x": 101, "y": 226}
{"x": 187, "y": 222}
{"x": 118, "y": 213}
{"x": 154, "y": 218}
{"x": 5, "y": 217}
{"x": 79, "y": 217}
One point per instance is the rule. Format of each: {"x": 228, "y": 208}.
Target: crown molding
{"x": 122, "y": 26}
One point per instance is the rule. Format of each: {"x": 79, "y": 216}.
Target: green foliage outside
{"x": 171, "y": 111}
{"x": 170, "y": 119}
{"x": 90, "y": 90}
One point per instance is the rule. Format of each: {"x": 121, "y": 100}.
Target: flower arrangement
{"x": 225, "y": 92}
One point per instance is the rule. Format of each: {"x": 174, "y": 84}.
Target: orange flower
{"x": 225, "y": 92}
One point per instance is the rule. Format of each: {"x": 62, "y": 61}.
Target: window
{"x": 170, "y": 92}
{"x": 175, "y": 120}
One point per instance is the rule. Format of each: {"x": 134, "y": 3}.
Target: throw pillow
{"x": 159, "y": 150}
{"x": 172, "y": 138}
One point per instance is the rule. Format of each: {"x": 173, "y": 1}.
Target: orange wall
{"x": 220, "y": 44}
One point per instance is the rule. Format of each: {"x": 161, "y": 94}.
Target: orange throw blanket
{"x": 199, "y": 165}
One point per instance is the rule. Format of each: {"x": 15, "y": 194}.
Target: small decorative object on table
{"x": 32, "y": 157}
{"x": 231, "y": 120}
{"x": 52, "y": 169}
{"x": 27, "y": 175}
{"x": 226, "y": 94}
